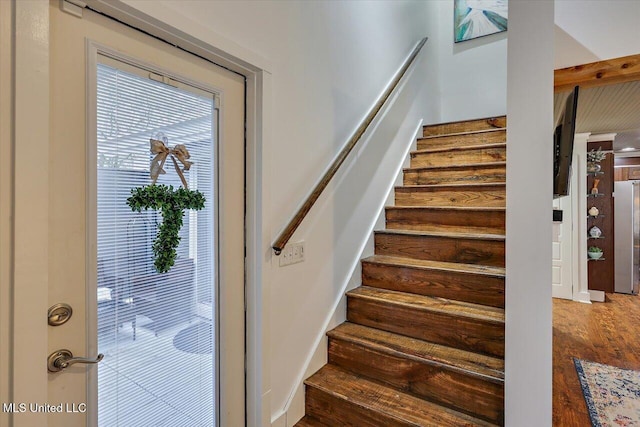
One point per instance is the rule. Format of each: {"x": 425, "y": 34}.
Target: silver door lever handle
{"x": 61, "y": 359}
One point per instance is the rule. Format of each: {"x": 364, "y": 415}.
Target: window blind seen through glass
{"x": 157, "y": 331}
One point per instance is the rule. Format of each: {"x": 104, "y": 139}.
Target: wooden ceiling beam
{"x": 610, "y": 71}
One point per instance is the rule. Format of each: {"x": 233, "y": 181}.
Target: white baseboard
{"x": 583, "y": 297}
{"x": 281, "y": 421}
{"x": 597, "y": 296}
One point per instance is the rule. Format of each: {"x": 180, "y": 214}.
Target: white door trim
{"x": 29, "y": 285}
{"x": 579, "y": 204}
{"x": 6, "y": 199}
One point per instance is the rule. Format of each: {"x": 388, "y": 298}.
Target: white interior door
{"x": 112, "y": 89}
{"x": 561, "y": 249}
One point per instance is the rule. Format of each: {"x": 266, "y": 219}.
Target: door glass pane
{"x": 157, "y": 331}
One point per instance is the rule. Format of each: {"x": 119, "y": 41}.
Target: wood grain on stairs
{"x": 458, "y": 379}
{"x": 452, "y": 323}
{"x": 467, "y": 248}
{"x": 473, "y": 283}
{"x": 465, "y": 126}
{"x": 337, "y": 394}
{"x": 480, "y": 195}
{"x": 447, "y": 218}
{"x": 451, "y": 174}
{"x": 459, "y": 155}
{"x": 480, "y": 137}
{"x": 424, "y": 344}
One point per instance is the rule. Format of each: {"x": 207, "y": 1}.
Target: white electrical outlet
{"x": 293, "y": 253}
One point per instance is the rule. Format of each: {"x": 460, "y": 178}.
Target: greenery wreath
{"x": 172, "y": 204}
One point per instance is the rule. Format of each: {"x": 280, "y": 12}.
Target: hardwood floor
{"x": 600, "y": 332}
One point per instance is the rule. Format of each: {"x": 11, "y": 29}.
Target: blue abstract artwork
{"x": 478, "y": 18}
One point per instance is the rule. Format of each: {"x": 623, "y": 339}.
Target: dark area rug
{"x": 612, "y": 394}
{"x": 196, "y": 339}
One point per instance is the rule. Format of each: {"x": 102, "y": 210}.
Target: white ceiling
{"x": 608, "y": 109}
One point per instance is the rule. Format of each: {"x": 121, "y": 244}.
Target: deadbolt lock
{"x": 59, "y": 314}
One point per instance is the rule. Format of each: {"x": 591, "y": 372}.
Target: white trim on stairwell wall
{"x": 294, "y": 410}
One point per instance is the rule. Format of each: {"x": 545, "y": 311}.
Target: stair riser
{"x": 490, "y": 222}
{"x": 490, "y": 196}
{"x": 338, "y": 412}
{"x": 458, "y": 157}
{"x": 455, "y": 389}
{"x": 460, "y": 286}
{"x": 451, "y": 141}
{"x": 469, "y": 126}
{"x": 455, "y": 175}
{"x": 469, "y": 334}
{"x": 436, "y": 248}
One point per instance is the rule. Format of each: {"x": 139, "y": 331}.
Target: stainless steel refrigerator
{"x": 627, "y": 236}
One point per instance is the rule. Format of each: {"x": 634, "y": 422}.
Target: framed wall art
{"x": 478, "y": 18}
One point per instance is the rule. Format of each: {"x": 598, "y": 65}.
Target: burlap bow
{"x": 161, "y": 152}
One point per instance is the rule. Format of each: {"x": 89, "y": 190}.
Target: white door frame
{"x": 579, "y": 206}
{"x": 29, "y": 199}
{"x": 6, "y": 197}
{"x": 26, "y": 372}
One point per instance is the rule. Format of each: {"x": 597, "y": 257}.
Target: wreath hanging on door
{"x": 171, "y": 203}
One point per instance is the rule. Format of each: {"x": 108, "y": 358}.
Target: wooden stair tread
{"x": 444, "y": 129}
{"x": 460, "y": 148}
{"x": 464, "y": 166}
{"x": 436, "y": 265}
{"x": 472, "y": 132}
{"x": 477, "y": 119}
{"x": 452, "y": 208}
{"x": 421, "y": 302}
{"x": 402, "y": 407}
{"x": 487, "y": 367}
{"x": 450, "y": 234}
{"x": 454, "y": 186}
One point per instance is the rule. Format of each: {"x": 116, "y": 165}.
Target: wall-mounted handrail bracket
{"x": 302, "y": 212}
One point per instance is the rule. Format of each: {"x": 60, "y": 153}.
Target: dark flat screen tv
{"x": 563, "y": 146}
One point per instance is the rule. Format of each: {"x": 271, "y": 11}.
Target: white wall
{"x": 588, "y": 31}
{"x": 528, "y": 361}
{"x": 472, "y": 73}
{"x": 328, "y": 63}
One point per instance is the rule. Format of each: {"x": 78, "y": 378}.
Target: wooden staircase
{"x": 423, "y": 344}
